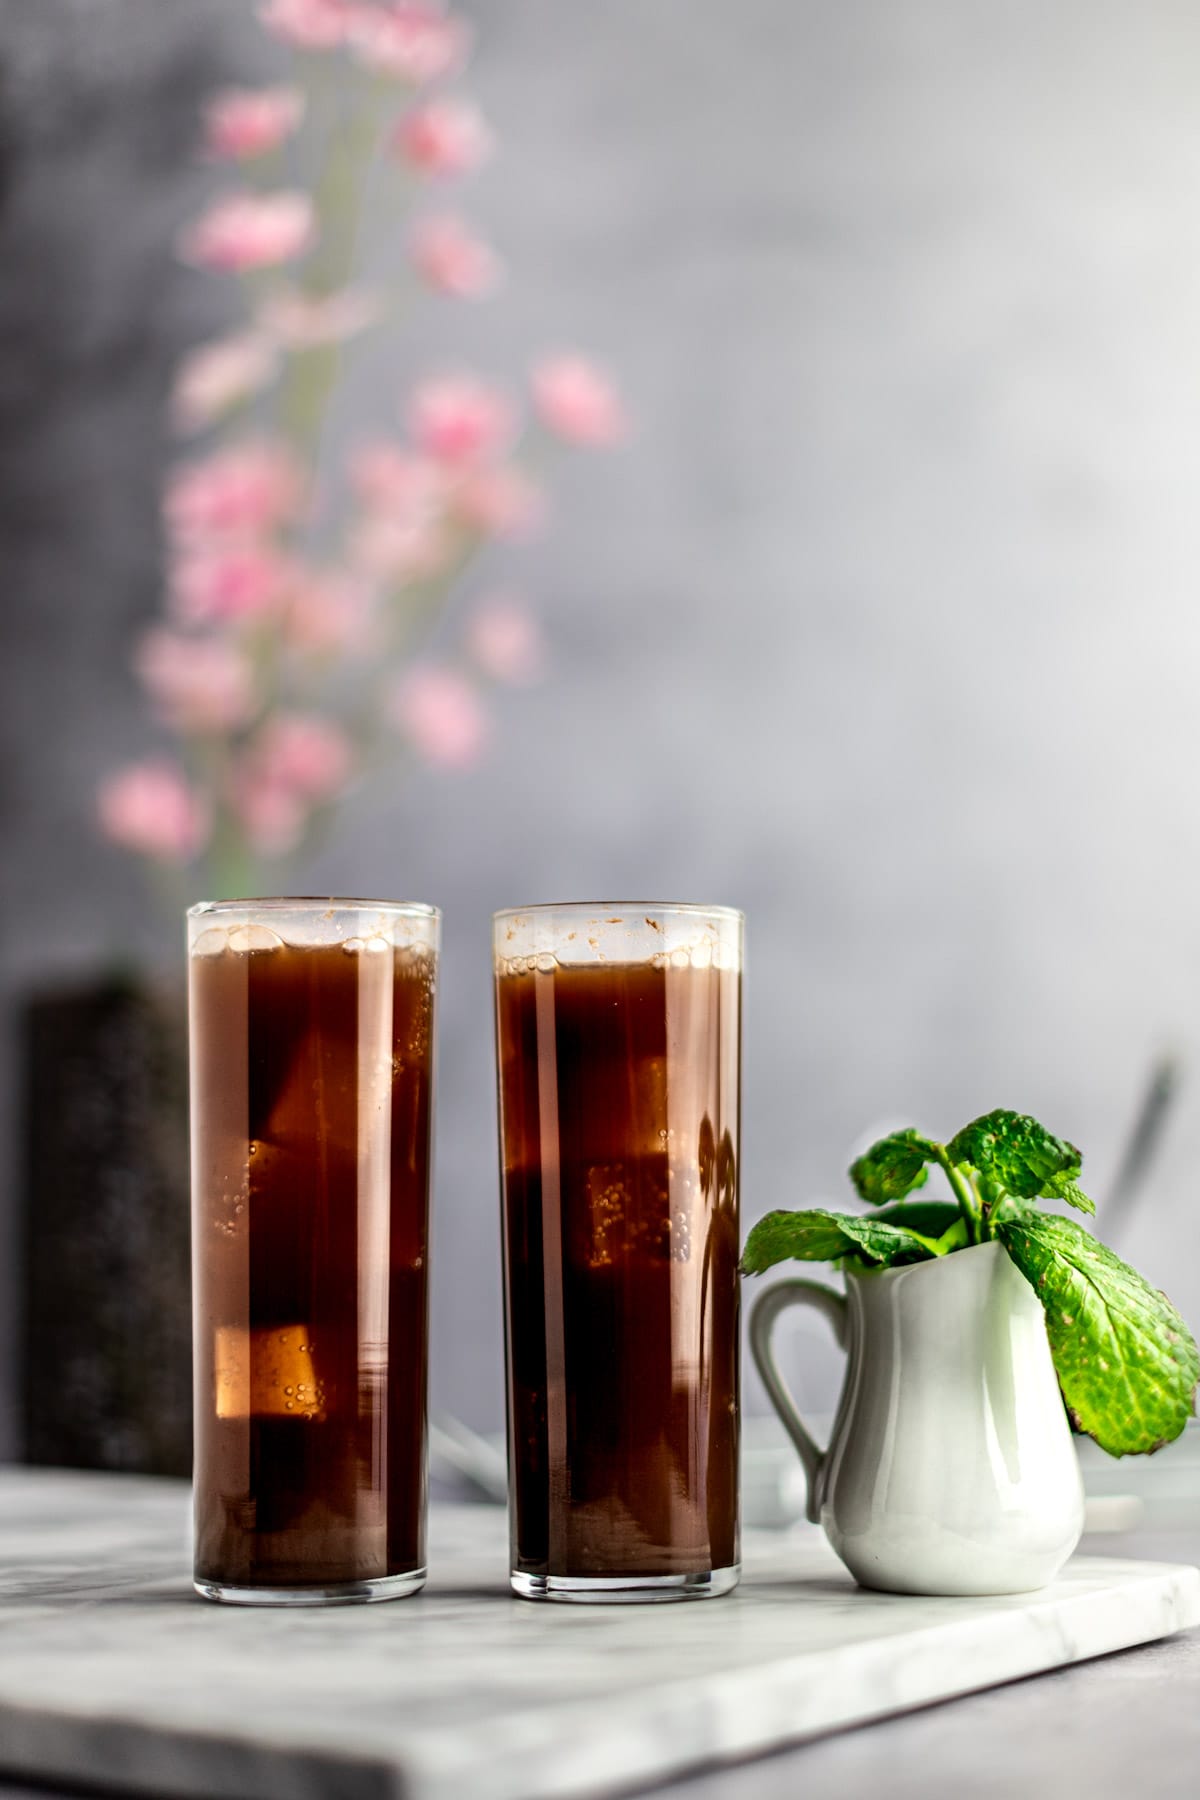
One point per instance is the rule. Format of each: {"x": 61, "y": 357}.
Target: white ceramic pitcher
{"x": 950, "y": 1468}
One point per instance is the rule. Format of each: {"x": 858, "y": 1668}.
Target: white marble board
{"x": 110, "y": 1670}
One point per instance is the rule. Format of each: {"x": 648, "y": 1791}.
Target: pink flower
{"x": 227, "y": 583}
{"x": 298, "y": 760}
{"x": 201, "y": 685}
{"x": 500, "y": 502}
{"x": 250, "y": 231}
{"x": 301, "y": 322}
{"x": 504, "y": 639}
{"x": 450, "y": 259}
{"x": 247, "y": 122}
{"x": 577, "y": 402}
{"x": 307, "y": 24}
{"x": 389, "y": 479}
{"x": 272, "y": 817}
{"x": 247, "y": 489}
{"x": 150, "y": 807}
{"x": 397, "y": 551}
{"x": 327, "y": 613}
{"x": 215, "y": 376}
{"x": 460, "y": 420}
{"x": 441, "y": 714}
{"x": 304, "y": 752}
{"x": 443, "y": 137}
{"x": 409, "y": 40}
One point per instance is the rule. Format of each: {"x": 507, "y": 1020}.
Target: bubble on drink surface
{"x": 247, "y": 938}
{"x": 366, "y": 946}
{"x": 213, "y": 942}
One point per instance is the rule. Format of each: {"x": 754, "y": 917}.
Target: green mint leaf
{"x": 954, "y": 1237}
{"x": 808, "y": 1236}
{"x": 1062, "y": 1187}
{"x": 1013, "y": 1152}
{"x": 892, "y": 1168}
{"x": 928, "y": 1218}
{"x": 818, "y": 1236}
{"x": 1127, "y": 1364}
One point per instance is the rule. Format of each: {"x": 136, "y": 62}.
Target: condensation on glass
{"x": 312, "y": 1026}
{"x": 619, "y": 1047}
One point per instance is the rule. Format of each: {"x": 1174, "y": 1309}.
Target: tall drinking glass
{"x": 312, "y": 1095}
{"x": 618, "y": 1048}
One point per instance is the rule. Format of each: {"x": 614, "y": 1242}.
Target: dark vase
{"x": 107, "y": 1356}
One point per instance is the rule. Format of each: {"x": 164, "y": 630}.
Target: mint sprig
{"x": 1126, "y": 1362}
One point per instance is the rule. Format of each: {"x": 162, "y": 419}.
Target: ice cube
{"x": 254, "y": 937}
{"x": 213, "y": 942}
{"x": 267, "y": 1372}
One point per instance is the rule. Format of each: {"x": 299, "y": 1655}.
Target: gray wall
{"x": 884, "y": 627}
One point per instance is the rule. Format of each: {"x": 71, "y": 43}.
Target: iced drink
{"x": 311, "y": 1045}
{"x": 619, "y": 1045}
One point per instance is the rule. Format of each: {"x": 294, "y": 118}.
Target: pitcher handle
{"x": 763, "y": 1314}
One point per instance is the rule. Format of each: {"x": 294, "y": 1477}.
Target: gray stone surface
{"x": 884, "y": 627}
{"x": 111, "y": 1670}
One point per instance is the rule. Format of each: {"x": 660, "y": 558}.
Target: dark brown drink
{"x": 312, "y": 1097}
{"x": 619, "y": 1118}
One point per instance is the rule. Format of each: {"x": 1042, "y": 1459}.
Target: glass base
{"x": 629, "y": 1590}
{"x": 337, "y": 1593}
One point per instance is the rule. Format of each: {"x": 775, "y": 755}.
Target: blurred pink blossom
{"x": 460, "y": 420}
{"x": 410, "y": 40}
{"x": 272, "y": 816}
{"x": 388, "y": 478}
{"x": 450, "y": 259}
{"x": 226, "y": 583}
{"x": 440, "y": 712}
{"x": 149, "y": 807}
{"x": 304, "y": 752}
{"x": 390, "y": 548}
{"x": 258, "y": 634}
{"x": 305, "y": 322}
{"x": 215, "y": 376}
{"x": 327, "y": 612}
{"x": 247, "y": 122}
{"x": 577, "y": 402}
{"x": 501, "y": 502}
{"x": 443, "y": 137}
{"x": 201, "y": 685}
{"x": 247, "y": 489}
{"x": 297, "y": 761}
{"x": 307, "y": 24}
{"x": 505, "y": 640}
{"x": 250, "y": 231}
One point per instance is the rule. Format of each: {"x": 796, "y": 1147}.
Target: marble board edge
{"x": 667, "y": 1730}
{"x": 751, "y": 1712}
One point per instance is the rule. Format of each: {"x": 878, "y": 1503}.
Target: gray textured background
{"x": 884, "y": 627}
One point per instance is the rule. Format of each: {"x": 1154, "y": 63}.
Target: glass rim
{"x": 407, "y": 909}
{"x": 685, "y": 908}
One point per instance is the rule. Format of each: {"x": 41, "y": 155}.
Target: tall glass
{"x": 312, "y": 1095}
{"x": 618, "y": 1049}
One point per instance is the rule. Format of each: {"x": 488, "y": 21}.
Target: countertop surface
{"x": 110, "y": 1593}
